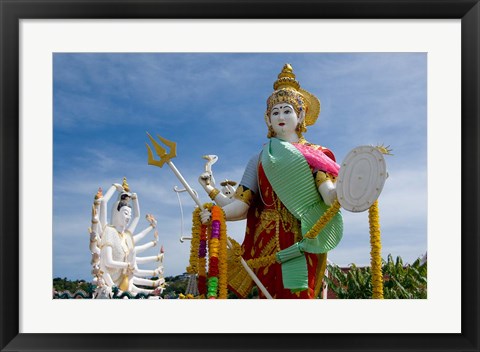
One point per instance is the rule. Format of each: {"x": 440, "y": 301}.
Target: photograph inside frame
{"x": 240, "y": 176}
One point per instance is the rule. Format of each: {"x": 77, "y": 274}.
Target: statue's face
{"x": 125, "y": 215}
{"x": 284, "y": 120}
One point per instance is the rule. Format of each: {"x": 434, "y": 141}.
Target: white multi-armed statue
{"x": 115, "y": 248}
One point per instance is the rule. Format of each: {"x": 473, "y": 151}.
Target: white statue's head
{"x": 284, "y": 121}
{"x": 290, "y": 109}
{"x": 122, "y": 213}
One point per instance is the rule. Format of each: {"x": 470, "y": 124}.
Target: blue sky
{"x": 214, "y": 103}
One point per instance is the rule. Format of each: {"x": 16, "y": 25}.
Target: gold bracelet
{"x": 213, "y": 193}
{"x": 94, "y": 221}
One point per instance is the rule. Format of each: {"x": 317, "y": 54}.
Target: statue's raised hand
{"x": 205, "y": 215}
{"x": 205, "y": 179}
{"x": 119, "y": 187}
{"x": 151, "y": 219}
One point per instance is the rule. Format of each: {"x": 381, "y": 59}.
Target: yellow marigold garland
{"x": 375, "y": 253}
{"x": 323, "y": 221}
{"x": 192, "y": 268}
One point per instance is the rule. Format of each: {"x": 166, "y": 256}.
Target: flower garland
{"x": 324, "y": 219}
{"x": 375, "y": 253}
{"x": 213, "y": 236}
{"x": 192, "y": 268}
{"x": 218, "y": 217}
{"x": 202, "y": 260}
{"x": 213, "y": 247}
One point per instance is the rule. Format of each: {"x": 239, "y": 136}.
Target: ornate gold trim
{"x": 244, "y": 194}
{"x": 213, "y": 193}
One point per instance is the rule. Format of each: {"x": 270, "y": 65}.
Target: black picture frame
{"x": 12, "y": 11}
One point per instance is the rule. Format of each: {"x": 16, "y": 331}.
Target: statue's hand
{"x": 205, "y": 215}
{"x": 135, "y": 268}
{"x": 205, "y": 179}
{"x": 158, "y": 291}
{"x": 118, "y": 187}
{"x": 150, "y": 218}
{"x": 131, "y": 268}
{"x": 158, "y": 272}
{"x": 328, "y": 192}
{"x": 331, "y": 197}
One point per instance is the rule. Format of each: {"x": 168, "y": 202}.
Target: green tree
{"x": 64, "y": 284}
{"x": 400, "y": 281}
{"x": 175, "y": 285}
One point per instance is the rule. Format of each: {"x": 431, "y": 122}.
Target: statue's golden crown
{"x": 287, "y": 90}
{"x": 125, "y": 185}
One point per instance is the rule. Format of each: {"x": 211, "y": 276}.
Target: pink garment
{"x": 318, "y": 159}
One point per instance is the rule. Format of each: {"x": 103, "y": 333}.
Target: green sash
{"x": 291, "y": 177}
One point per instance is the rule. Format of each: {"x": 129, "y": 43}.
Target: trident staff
{"x": 166, "y": 158}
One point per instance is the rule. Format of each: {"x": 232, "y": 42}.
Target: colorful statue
{"x": 285, "y": 189}
{"x": 114, "y": 247}
{"x": 291, "y": 194}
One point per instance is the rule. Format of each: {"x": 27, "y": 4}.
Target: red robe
{"x": 270, "y": 228}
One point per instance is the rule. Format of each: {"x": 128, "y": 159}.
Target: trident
{"x": 166, "y": 158}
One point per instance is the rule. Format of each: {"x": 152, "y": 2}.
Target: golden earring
{"x": 301, "y": 128}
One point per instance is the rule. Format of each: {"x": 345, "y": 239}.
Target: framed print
{"x": 68, "y": 68}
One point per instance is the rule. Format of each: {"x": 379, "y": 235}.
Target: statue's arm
{"x": 108, "y": 279}
{"x": 238, "y": 208}
{"x": 95, "y": 229}
{"x": 107, "y": 254}
{"x": 214, "y": 194}
{"x": 136, "y": 211}
{"x": 94, "y": 242}
{"x": 325, "y": 181}
{"x": 142, "y": 234}
{"x": 326, "y": 187}
{"x": 104, "y": 200}
{"x": 145, "y": 246}
{"x": 150, "y": 259}
{"x": 153, "y": 224}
